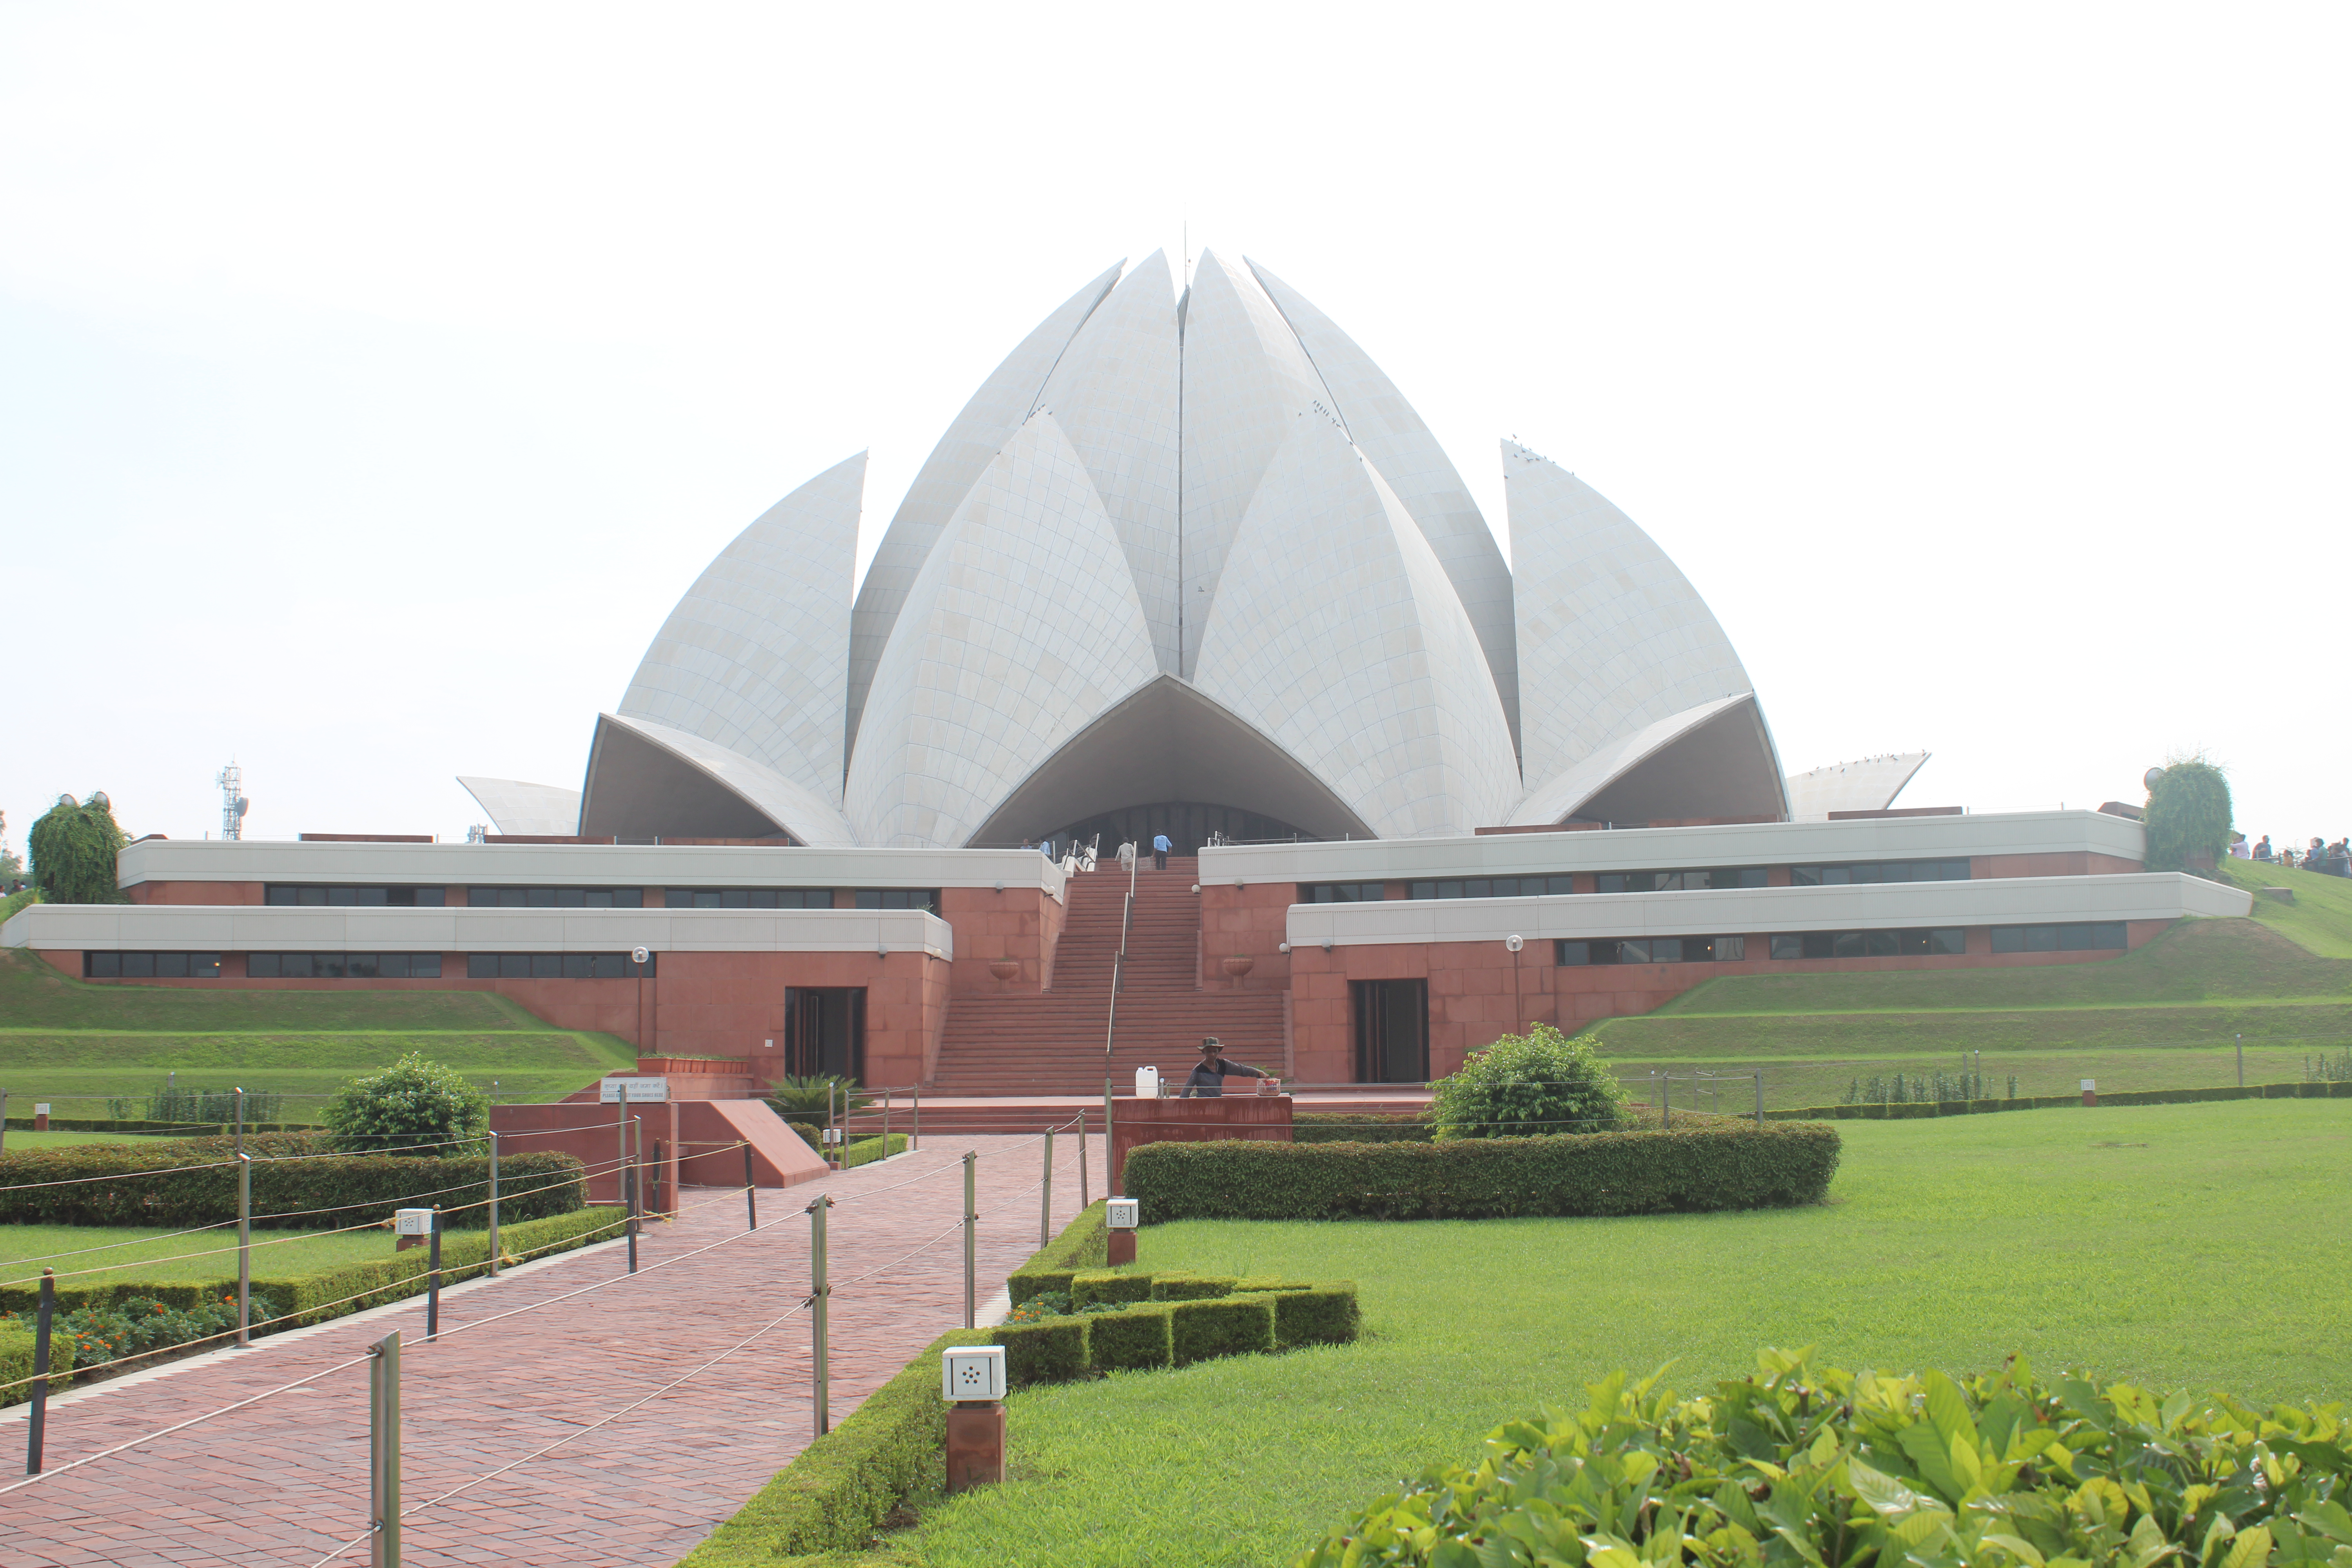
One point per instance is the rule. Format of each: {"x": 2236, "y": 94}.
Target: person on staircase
{"x": 1160, "y": 851}
{"x": 1208, "y": 1080}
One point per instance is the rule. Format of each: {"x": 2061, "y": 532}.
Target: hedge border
{"x": 1921, "y": 1109}
{"x": 1724, "y": 1165}
{"x": 1083, "y": 1245}
{"x": 16, "y": 1360}
{"x": 1155, "y": 1326}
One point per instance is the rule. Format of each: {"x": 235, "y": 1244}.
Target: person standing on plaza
{"x": 1208, "y": 1080}
{"x": 1160, "y": 851}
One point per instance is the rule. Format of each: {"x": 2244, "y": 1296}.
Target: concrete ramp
{"x": 780, "y": 1156}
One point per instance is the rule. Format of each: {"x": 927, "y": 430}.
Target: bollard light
{"x": 971, "y": 1380}
{"x": 413, "y": 1227}
{"x": 1124, "y": 1214}
{"x": 971, "y": 1373}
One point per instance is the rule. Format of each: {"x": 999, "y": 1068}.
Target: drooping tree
{"x": 2188, "y": 814}
{"x": 73, "y": 847}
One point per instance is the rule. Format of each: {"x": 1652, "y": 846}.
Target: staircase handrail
{"x": 1119, "y": 960}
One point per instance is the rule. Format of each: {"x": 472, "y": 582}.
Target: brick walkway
{"x": 284, "y": 1483}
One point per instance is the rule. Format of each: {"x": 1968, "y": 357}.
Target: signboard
{"x": 642, "y": 1091}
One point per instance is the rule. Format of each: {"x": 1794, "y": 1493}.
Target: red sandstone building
{"x": 989, "y": 971}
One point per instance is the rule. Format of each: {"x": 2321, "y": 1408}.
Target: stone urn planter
{"x": 1237, "y": 966}
{"x": 1005, "y": 969}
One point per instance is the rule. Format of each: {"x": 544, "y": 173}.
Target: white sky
{"x": 373, "y": 380}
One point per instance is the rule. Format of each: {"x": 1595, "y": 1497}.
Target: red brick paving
{"x": 285, "y": 1481}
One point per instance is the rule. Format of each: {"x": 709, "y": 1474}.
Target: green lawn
{"x": 76, "y": 1046}
{"x": 26, "y": 1249}
{"x": 2193, "y": 1247}
{"x": 2321, "y": 916}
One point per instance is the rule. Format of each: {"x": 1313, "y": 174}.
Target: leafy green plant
{"x": 413, "y": 1105}
{"x": 2187, "y": 815}
{"x": 175, "y": 1102}
{"x": 73, "y": 847}
{"x": 1813, "y": 1466}
{"x": 1935, "y": 1089}
{"x": 813, "y": 1101}
{"x": 1541, "y": 1081}
{"x": 139, "y": 1324}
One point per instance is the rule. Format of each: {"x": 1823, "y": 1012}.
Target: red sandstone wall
{"x": 1246, "y": 922}
{"x": 1024, "y": 924}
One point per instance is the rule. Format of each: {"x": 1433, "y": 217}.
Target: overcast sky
{"x": 373, "y": 380}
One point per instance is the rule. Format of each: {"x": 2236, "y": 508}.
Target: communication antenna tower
{"x": 232, "y": 801}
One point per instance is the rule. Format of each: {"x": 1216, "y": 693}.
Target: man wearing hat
{"x": 1208, "y": 1080}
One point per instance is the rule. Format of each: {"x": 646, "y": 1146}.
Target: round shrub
{"x": 412, "y": 1106}
{"x": 1524, "y": 1085}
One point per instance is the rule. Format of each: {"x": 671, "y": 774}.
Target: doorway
{"x": 825, "y": 1032}
{"x": 1391, "y": 1030}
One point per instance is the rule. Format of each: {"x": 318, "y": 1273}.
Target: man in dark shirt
{"x": 1208, "y": 1080}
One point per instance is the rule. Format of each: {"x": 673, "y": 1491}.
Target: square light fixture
{"x": 972, "y": 1372}
{"x": 1124, "y": 1214}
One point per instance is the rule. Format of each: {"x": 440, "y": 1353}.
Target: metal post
{"x": 243, "y": 1247}
{"x": 886, "y": 1125}
{"x": 1760, "y": 1099}
{"x": 4, "y": 1120}
{"x": 621, "y": 1137}
{"x": 840, "y": 1146}
{"x": 383, "y": 1452}
{"x": 1046, "y": 1195}
{"x": 636, "y": 1173}
{"x": 1111, "y": 1185}
{"x": 433, "y": 1282}
{"x": 971, "y": 1239}
{"x": 494, "y": 1206}
{"x": 1665, "y": 1103}
{"x": 41, "y": 1413}
{"x": 2241, "y": 1059}
{"x": 1082, "y": 1161}
{"x": 915, "y": 1139}
{"x": 819, "y": 1294}
{"x": 751, "y": 1193}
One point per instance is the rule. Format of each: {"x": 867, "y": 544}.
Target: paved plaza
{"x": 284, "y": 1481}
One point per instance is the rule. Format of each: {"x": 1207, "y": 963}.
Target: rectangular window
{"x": 1875, "y": 871}
{"x": 362, "y": 966}
{"x": 262, "y": 966}
{"x": 553, "y": 898}
{"x": 481, "y": 966}
{"x": 1714, "y": 949}
{"x": 365, "y": 898}
{"x": 1788, "y": 945}
{"x": 294, "y": 967}
{"x": 539, "y": 966}
{"x": 171, "y": 966}
{"x": 138, "y": 965}
{"x": 1821, "y": 945}
{"x": 579, "y": 965}
{"x": 758, "y": 899}
{"x": 611, "y": 966}
{"x": 1573, "y": 954}
{"x": 514, "y": 966}
{"x": 102, "y": 965}
{"x": 2009, "y": 939}
{"x": 2041, "y": 939}
{"x": 899, "y": 899}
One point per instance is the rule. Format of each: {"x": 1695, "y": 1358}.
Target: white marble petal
{"x": 1612, "y": 635}
{"x": 533, "y": 809}
{"x": 1114, "y": 395}
{"x": 1336, "y": 633}
{"x": 1022, "y": 627}
{"x": 1386, "y": 429}
{"x": 756, "y": 655}
{"x": 1248, "y": 387}
{"x": 986, "y": 423}
{"x": 1556, "y": 798}
{"x": 801, "y": 812}
{"x": 1870, "y": 785}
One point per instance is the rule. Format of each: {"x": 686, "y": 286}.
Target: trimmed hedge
{"x": 1132, "y": 1340}
{"x": 1191, "y": 1287}
{"x": 1104, "y": 1286}
{"x": 1921, "y": 1109}
{"x": 1376, "y": 1127}
{"x": 1054, "y": 1350}
{"x": 16, "y": 1358}
{"x": 1230, "y": 1325}
{"x": 295, "y": 1301}
{"x": 1317, "y": 1315}
{"x": 831, "y": 1497}
{"x": 1084, "y": 1244}
{"x": 321, "y": 1193}
{"x": 1722, "y": 1167}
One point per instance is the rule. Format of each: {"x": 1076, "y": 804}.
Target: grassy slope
{"x": 73, "y": 1043}
{"x": 2167, "y": 1016}
{"x": 2114, "y": 1240}
{"x": 2321, "y": 916}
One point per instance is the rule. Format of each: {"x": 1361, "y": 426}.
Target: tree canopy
{"x": 2188, "y": 814}
{"x": 73, "y": 847}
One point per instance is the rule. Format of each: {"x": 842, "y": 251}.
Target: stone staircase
{"x": 1052, "y": 1043}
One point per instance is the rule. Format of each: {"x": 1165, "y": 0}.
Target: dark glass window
{"x": 555, "y": 898}
{"x": 763, "y": 899}
{"x": 1345, "y": 892}
{"x": 1714, "y": 949}
{"x": 151, "y": 965}
{"x": 1649, "y": 950}
{"x": 1879, "y": 872}
{"x": 354, "y": 897}
{"x": 899, "y": 899}
{"x": 1789, "y": 944}
{"x": 549, "y": 966}
{"x": 1942, "y": 941}
{"x": 1688, "y": 880}
{"x": 1492, "y": 887}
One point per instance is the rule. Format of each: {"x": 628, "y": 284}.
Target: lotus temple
{"x": 1187, "y": 563}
